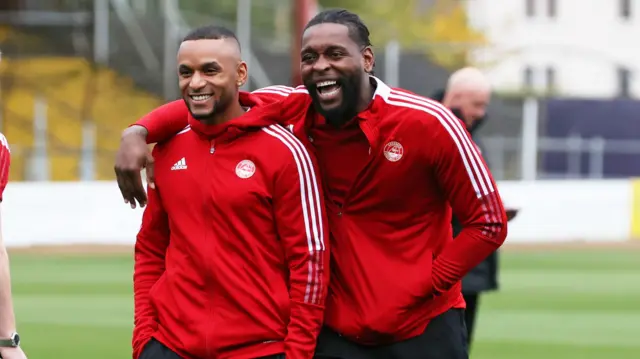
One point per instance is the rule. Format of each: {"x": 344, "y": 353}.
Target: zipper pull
{"x": 212, "y": 149}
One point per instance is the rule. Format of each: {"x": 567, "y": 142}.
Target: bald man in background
{"x": 467, "y": 94}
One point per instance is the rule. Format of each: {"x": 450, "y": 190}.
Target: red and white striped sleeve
{"x": 302, "y": 228}
{"x": 5, "y": 163}
{"x": 165, "y": 121}
{"x": 465, "y": 180}
{"x": 271, "y": 94}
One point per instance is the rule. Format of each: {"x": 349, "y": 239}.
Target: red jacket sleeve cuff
{"x": 303, "y": 330}
{"x": 154, "y": 130}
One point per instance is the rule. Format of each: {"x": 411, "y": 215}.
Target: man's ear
{"x": 369, "y": 59}
{"x": 243, "y": 73}
{"x": 450, "y": 99}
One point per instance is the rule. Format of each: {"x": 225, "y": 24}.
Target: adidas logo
{"x": 180, "y": 165}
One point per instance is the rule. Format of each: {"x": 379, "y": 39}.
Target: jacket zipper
{"x": 307, "y": 141}
{"x": 209, "y": 279}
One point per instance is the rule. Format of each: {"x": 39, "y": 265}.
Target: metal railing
{"x": 505, "y": 155}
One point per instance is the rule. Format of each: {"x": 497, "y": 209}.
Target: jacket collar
{"x": 374, "y": 112}
{"x": 382, "y": 89}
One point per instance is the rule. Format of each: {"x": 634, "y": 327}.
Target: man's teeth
{"x": 332, "y": 92}
{"x": 326, "y": 83}
{"x": 200, "y": 97}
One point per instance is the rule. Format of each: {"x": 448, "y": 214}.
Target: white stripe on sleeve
{"x": 311, "y": 209}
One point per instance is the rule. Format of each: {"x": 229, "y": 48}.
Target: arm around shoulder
{"x": 165, "y": 121}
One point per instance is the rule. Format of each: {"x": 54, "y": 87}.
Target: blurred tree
{"x": 357, "y": 6}
{"x": 439, "y": 26}
{"x": 450, "y": 25}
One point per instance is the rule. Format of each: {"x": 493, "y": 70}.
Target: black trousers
{"x": 156, "y": 350}
{"x": 470, "y": 314}
{"x": 444, "y": 338}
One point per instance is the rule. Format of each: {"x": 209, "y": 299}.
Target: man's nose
{"x": 197, "y": 81}
{"x": 321, "y": 64}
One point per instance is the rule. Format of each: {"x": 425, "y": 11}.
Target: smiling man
{"x": 230, "y": 260}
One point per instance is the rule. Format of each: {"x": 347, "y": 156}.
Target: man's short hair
{"x": 211, "y": 32}
{"x": 358, "y": 31}
{"x": 468, "y": 78}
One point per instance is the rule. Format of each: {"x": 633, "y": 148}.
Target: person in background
{"x": 9, "y": 338}
{"x": 467, "y": 94}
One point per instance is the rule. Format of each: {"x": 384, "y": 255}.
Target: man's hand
{"x": 12, "y": 353}
{"x": 134, "y": 155}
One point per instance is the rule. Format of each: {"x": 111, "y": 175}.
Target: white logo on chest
{"x": 245, "y": 169}
{"x": 393, "y": 151}
{"x": 180, "y": 165}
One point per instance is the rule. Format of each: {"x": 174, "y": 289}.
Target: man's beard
{"x": 219, "y": 106}
{"x": 351, "y": 90}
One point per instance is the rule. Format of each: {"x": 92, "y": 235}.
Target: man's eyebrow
{"x": 326, "y": 48}
{"x": 336, "y": 47}
{"x": 213, "y": 64}
{"x": 306, "y": 49}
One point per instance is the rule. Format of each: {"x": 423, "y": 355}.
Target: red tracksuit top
{"x": 5, "y": 163}
{"x": 230, "y": 260}
{"x": 395, "y": 264}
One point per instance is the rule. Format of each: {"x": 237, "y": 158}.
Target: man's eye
{"x": 308, "y": 57}
{"x": 336, "y": 55}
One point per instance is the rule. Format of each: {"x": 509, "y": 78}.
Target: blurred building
{"x": 578, "y": 48}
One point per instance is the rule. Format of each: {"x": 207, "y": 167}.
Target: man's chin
{"x": 323, "y": 108}
{"x": 337, "y": 108}
{"x": 336, "y": 116}
{"x": 201, "y": 115}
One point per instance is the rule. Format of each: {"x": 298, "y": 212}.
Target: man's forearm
{"x": 7, "y": 317}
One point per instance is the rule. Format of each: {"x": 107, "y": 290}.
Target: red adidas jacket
{"x": 230, "y": 260}
{"x": 395, "y": 263}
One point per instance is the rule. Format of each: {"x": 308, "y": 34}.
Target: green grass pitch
{"x": 565, "y": 304}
